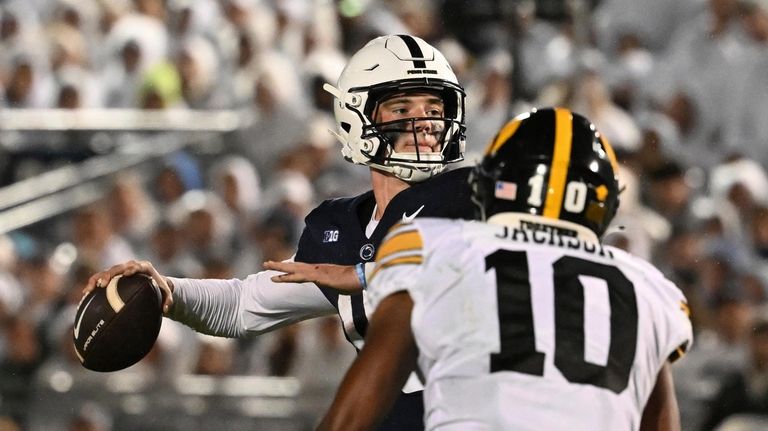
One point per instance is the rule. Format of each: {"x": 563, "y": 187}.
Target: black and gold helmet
{"x": 549, "y": 162}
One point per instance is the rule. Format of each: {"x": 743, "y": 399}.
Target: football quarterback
{"x": 399, "y": 110}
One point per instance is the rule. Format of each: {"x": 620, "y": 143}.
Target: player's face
{"x": 424, "y": 135}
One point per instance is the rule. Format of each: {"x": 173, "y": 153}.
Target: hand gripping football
{"x": 117, "y": 326}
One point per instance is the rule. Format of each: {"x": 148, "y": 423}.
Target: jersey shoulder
{"x": 337, "y": 208}
{"x": 423, "y": 235}
{"x": 650, "y": 273}
{"x": 666, "y": 302}
{"x": 452, "y": 186}
{"x": 332, "y": 231}
{"x": 446, "y": 195}
{"x": 409, "y": 246}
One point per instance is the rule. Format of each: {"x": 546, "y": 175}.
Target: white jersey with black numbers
{"x": 530, "y": 325}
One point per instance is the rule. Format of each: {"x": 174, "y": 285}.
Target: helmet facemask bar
{"x": 416, "y": 131}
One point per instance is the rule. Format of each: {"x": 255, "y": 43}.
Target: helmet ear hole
{"x": 346, "y": 126}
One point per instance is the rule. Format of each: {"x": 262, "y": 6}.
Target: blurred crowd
{"x": 679, "y": 87}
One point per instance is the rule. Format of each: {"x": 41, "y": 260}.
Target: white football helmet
{"x": 386, "y": 66}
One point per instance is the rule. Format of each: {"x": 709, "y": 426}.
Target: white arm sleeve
{"x": 234, "y": 308}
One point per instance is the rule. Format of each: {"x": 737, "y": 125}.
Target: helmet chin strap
{"x": 416, "y": 175}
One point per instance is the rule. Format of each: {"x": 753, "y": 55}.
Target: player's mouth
{"x": 410, "y": 148}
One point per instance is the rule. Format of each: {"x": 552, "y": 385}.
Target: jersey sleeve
{"x": 235, "y": 308}
{"x": 399, "y": 262}
{"x": 682, "y": 333}
{"x": 675, "y": 328}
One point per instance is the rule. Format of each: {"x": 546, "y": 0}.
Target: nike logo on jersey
{"x": 409, "y": 218}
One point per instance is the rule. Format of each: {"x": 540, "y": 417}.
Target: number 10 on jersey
{"x": 516, "y": 324}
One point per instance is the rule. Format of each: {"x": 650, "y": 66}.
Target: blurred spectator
{"x": 746, "y": 390}
{"x": 197, "y": 63}
{"x": 488, "y": 100}
{"x": 20, "y": 31}
{"x": 659, "y": 142}
{"x": 698, "y": 66}
{"x": 131, "y": 210}
{"x": 284, "y": 351}
{"x": 91, "y": 417}
{"x": 215, "y": 357}
{"x": 162, "y": 88}
{"x": 277, "y": 235}
{"x": 11, "y": 293}
{"x": 759, "y": 231}
{"x": 238, "y": 184}
{"x": 43, "y": 284}
{"x": 478, "y": 25}
{"x": 321, "y": 361}
{"x": 745, "y": 130}
{"x": 593, "y": 100}
{"x": 29, "y": 85}
{"x": 718, "y": 351}
{"x": 9, "y": 424}
{"x": 670, "y": 194}
{"x": 122, "y": 76}
{"x": 22, "y": 356}
{"x": 627, "y": 72}
{"x": 96, "y": 240}
{"x": 179, "y": 174}
{"x": 547, "y": 52}
{"x": 279, "y": 110}
{"x": 206, "y": 224}
{"x": 652, "y": 22}
{"x": 637, "y": 228}
{"x": 167, "y": 249}
{"x": 290, "y": 187}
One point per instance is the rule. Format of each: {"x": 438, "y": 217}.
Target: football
{"x": 116, "y": 326}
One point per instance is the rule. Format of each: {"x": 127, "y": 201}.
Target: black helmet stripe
{"x": 561, "y": 157}
{"x": 415, "y": 50}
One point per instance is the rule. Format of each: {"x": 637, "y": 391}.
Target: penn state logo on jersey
{"x": 367, "y": 252}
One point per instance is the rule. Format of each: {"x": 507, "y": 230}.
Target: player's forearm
{"x": 661, "y": 412}
{"x": 208, "y": 306}
{"x": 373, "y": 382}
{"x": 233, "y": 308}
{"x": 363, "y": 400}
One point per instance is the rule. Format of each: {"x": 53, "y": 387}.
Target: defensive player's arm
{"x": 373, "y": 383}
{"x": 661, "y": 412}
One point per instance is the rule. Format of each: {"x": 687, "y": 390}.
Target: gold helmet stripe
{"x": 505, "y": 133}
{"x": 611, "y": 154}
{"x": 560, "y": 159}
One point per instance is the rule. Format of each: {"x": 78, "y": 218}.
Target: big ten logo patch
{"x": 331, "y": 236}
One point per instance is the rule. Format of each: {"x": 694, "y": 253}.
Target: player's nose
{"x": 423, "y": 126}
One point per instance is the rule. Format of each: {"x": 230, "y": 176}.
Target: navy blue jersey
{"x": 334, "y": 232}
